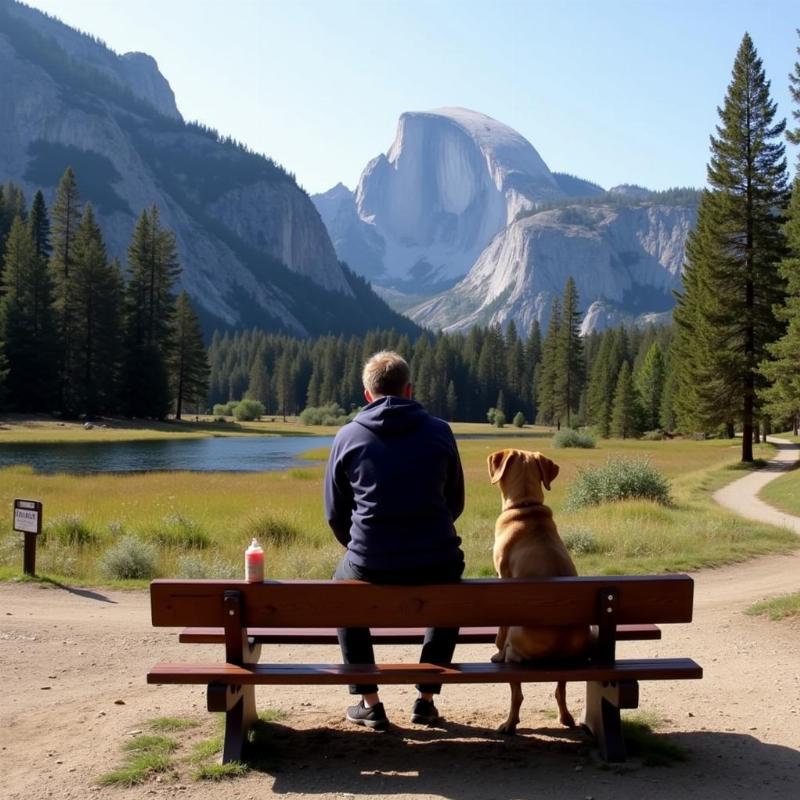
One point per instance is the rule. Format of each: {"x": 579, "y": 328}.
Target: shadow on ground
{"x": 473, "y": 763}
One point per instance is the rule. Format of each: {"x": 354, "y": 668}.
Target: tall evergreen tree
{"x": 568, "y": 376}
{"x": 189, "y": 369}
{"x": 39, "y": 224}
{"x": 725, "y": 312}
{"x": 27, "y": 324}
{"x": 96, "y": 301}
{"x": 66, "y": 219}
{"x": 650, "y": 384}
{"x": 149, "y": 307}
{"x": 546, "y": 371}
{"x": 625, "y": 414}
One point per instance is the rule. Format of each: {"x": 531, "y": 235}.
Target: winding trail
{"x": 741, "y": 496}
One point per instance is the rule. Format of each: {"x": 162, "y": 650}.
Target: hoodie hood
{"x": 391, "y": 415}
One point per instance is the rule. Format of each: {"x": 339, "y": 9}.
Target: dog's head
{"x": 521, "y": 475}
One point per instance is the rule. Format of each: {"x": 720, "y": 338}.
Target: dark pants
{"x": 439, "y": 643}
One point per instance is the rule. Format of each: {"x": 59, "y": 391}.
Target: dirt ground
{"x": 73, "y": 665}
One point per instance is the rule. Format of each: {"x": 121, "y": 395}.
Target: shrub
{"x": 654, "y": 436}
{"x": 248, "y": 410}
{"x": 193, "y": 565}
{"x": 618, "y": 479}
{"x": 175, "y": 530}
{"x": 570, "y": 438}
{"x": 499, "y": 418}
{"x": 129, "y": 558}
{"x": 225, "y": 409}
{"x": 58, "y": 559}
{"x": 69, "y": 529}
{"x": 490, "y": 415}
{"x": 270, "y": 530}
{"x": 519, "y": 419}
{"x": 329, "y": 414}
{"x": 581, "y": 541}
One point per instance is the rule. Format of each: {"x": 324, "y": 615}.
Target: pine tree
{"x": 27, "y": 324}
{"x": 568, "y": 377}
{"x": 782, "y": 368}
{"x": 149, "y": 309}
{"x": 96, "y": 303}
{"x": 451, "y": 402}
{"x": 189, "y": 368}
{"x": 650, "y": 385}
{"x": 258, "y": 382}
{"x": 546, "y": 370}
{"x": 39, "y": 224}
{"x": 625, "y": 414}
{"x": 533, "y": 354}
{"x": 725, "y": 313}
{"x": 65, "y": 223}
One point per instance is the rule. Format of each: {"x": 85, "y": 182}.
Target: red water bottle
{"x": 254, "y": 563}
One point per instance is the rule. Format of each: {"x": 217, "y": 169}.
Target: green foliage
{"x": 329, "y": 414}
{"x": 618, "y": 479}
{"x": 519, "y": 420}
{"x": 499, "y": 419}
{"x": 490, "y": 415}
{"x": 270, "y": 530}
{"x": 220, "y": 772}
{"x": 567, "y": 437}
{"x": 68, "y": 530}
{"x": 247, "y": 410}
{"x": 146, "y": 755}
{"x": 175, "y": 530}
{"x": 626, "y": 413}
{"x": 643, "y": 742}
{"x": 580, "y": 541}
{"x": 188, "y": 362}
{"x": 129, "y": 558}
{"x": 194, "y": 565}
{"x": 777, "y": 608}
{"x": 225, "y": 409}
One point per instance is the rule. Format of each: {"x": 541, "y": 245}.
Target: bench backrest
{"x": 338, "y": 604}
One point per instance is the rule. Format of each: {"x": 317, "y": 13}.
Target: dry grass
{"x": 634, "y": 536}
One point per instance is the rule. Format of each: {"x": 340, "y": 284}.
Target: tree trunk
{"x": 730, "y": 433}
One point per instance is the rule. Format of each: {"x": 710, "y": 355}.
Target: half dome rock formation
{"x": 626, "y": 262}
{"x": 423, "y": 212}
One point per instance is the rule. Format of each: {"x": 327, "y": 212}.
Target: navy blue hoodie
{"x": 394, "y": 486}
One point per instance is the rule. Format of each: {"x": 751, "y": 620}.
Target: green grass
{"x": 777, "y": 608}
{"x": 286, "y": 508}
{"x": 146, "y": 755}
{"x": 784, "y": 493}
{"x": 644, "y": 743}
{"x": 171, "y": 724}
{"x": 220, "y": 772}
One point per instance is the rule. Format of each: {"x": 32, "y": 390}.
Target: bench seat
{"x": 466, "y": 635}
{"x": 335, "y": 674}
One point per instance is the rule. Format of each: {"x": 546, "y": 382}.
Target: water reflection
{"x": 223, "y": 454}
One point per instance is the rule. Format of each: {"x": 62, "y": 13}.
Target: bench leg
{"x": 601, "y": 716}
{"x": 239, "y": 705}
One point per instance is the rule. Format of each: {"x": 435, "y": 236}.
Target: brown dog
{"x": 527, "y": 545}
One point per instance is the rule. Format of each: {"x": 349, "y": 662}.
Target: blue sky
{"x": 621, "y": 91}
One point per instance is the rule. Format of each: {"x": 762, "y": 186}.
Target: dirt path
{"x": 73, "y": 665}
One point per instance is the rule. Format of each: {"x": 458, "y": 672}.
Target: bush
{"x": 618, "y": 479}
{"x": 499, "y": 418}
{"x": 519, "y": 419}
{"x": 571, "y": 438}
{"x": 654, "y": 436}
{"x": 69, "y": 529}
{"x": 193, "y": 565}
{"x": 581, "y": 541}
{"x": 225, "y": 409}
{"x": 248, "y": 410}
{"x": 129, "y": 558}
{"x": 175, "y": 530}
{"x": 329, "y": 414}
{"x": 490, "y": 415}
{"x": 270, "y": 530}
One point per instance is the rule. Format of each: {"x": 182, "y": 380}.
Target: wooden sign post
{"x": 28, "y": 520}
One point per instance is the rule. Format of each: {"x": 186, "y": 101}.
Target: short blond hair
{"x": 386, "y": 373}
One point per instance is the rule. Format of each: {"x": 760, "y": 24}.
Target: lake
{"x": 222, "y": 454}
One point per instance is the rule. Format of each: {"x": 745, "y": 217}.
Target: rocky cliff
{"x": 626, "y": 262}
{"x": 424, "y": 211}
{"x": 253, "y": 248}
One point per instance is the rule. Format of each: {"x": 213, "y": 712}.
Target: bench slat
{"x": 484, "y": 602}
{"x": 326, "y": 674}
{"x": 467, "y": 635}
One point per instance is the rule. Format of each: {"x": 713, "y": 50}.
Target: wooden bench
{"x": 244, "y": 616}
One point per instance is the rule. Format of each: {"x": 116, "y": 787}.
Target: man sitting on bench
{"x": 393, "y": 489}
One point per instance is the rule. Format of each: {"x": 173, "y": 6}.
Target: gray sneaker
{"x": 373, "y": 717}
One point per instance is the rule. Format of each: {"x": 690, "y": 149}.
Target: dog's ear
{"x": 497, "y": 463}
{"x": 547, "y": 469}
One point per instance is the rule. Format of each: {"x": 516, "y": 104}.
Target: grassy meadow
{"x": 198, "y": 524}
{"x": 784, "y": 492}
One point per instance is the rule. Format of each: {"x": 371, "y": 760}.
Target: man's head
{"x": 386, "y": 373}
